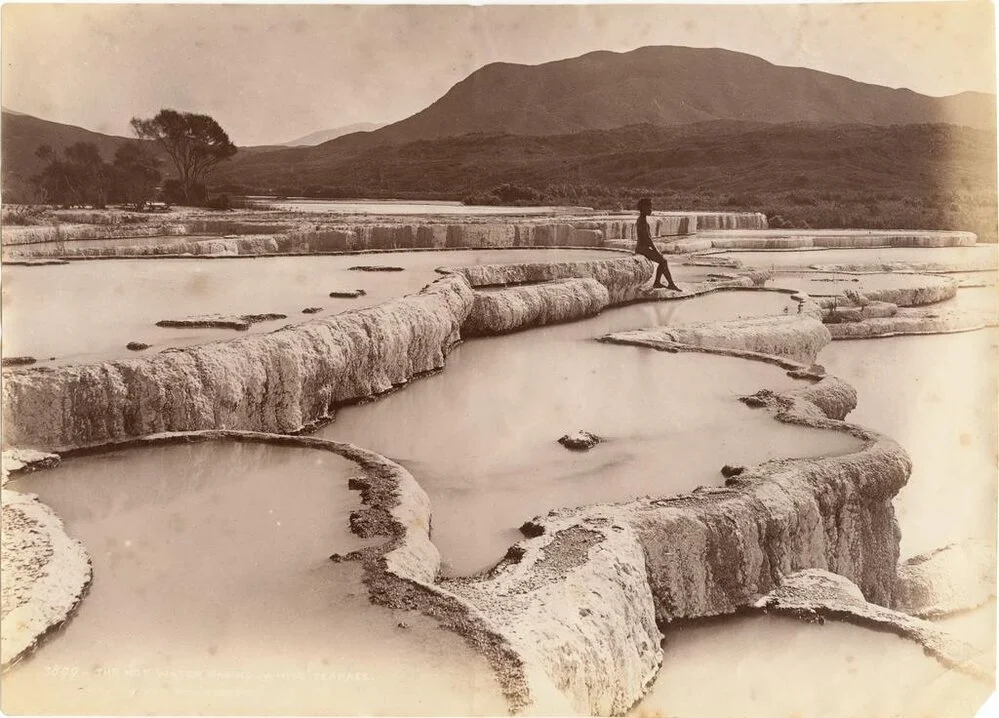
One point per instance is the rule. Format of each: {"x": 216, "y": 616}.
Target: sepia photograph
{"x": 484, "y": 360}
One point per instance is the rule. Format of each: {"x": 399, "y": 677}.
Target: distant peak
{"x": 320, "y": 136}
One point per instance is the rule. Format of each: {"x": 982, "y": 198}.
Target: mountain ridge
{"x": 669, "y": 85}
{"x": 320, "y": 136}
{"x": 721, "y": 85}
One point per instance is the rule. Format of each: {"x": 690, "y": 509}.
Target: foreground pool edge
{"x": 815, "y": 595}
{"x": 59, "y": 573}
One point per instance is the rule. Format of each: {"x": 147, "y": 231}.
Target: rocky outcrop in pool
{"x": 798, "y": 337}
{"x": 534, "y": 305}
{"x": 623, "y": 277}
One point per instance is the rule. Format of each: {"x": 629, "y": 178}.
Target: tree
{"x": 195, "y": 144}
{"x": 82, "y": 177}
{"x": 135, "y": 175}
{"x": 90, "y": 173}
{"x": 48, "y": 181}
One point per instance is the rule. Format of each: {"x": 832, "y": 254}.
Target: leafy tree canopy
{"x": 195, "y": 143}
{"x": 80, "y": 177}
{"x": 135, "y": 174}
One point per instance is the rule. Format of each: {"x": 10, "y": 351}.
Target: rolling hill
{"x": 712, "y": 157}
{"x": 22, "y": 134}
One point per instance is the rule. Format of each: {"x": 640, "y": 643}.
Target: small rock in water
{"x": 753, "y": 401}
{"x": 348, "y": 293}
{"x": 579, "y": 441}
{"x": 240, "y": 322}
{"x": 312, "y": 310}
{"x": 402, "y": 624}
{"x": 531, "y": 529}
{"x": 730, "y": 471}
{"x": 137, "y": 346}
{"x": 515, "y": 553}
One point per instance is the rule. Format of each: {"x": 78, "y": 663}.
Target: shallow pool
{"x": 743, "y": 667}
{"x": 481, "y": 437}
{"x": 213, "y": 593}
{"x": 977, "y": 627}
{"x": 89, "y": 310}
{"x": 828, "y": 284}
{"x": 975, "y": 299}
{"x": 984, "y": 254}
{"x": 936, "y": 396}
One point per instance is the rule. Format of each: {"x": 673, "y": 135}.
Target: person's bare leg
{"x": 664, "y": 269}
{"x": 658, "y": 282}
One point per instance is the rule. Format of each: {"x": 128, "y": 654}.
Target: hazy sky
{"x": 269, "y": 74}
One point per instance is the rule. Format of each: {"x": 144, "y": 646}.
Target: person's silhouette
{"x": 647, "y": 249}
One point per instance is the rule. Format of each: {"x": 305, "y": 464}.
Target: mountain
{"x": 660, "y": 86}
{"x": 669, "y": 86}
{"x": 320, "y": 136}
